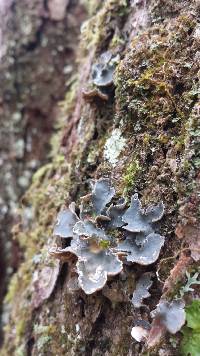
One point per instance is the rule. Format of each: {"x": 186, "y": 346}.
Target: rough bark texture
{"x": 37, "y": 57}
{"x": 154, "y": 104}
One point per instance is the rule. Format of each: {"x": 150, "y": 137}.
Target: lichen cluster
{"x": 89, "y": 232}
{"x": 103, "y": 70}
{"x": 152, "y": 104}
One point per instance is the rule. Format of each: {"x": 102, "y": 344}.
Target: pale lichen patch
{"x": 114, "y": 146}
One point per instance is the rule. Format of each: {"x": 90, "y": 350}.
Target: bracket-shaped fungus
{"x": 95, "y": 252}
{"x": 103, "y": 70}
{"x": 142, "y": 289}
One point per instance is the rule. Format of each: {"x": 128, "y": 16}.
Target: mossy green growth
{"x": 130, "y": 175}
{"x": 91, "y": 6}
{"x": 95, "y": 32}
{"x": 145, "y": 90}
{"x": 104, "y": 244}
{"x": 40, "y": 173}
{"x": 191, "y": 332}
{"x": 44, "y": 333}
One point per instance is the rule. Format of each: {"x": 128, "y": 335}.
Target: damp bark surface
{"x": 140, "y": 131}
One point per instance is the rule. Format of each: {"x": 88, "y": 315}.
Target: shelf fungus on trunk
{"x": 92, "y": 245}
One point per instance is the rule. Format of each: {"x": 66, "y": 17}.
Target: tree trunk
{"x": 140, "y": 131}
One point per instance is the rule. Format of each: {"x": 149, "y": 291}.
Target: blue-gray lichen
{"x": 144, "y": 253}
{"x": 103, "y": 70}
{"x": 101, "y": 195}
{"x": 66, "y": 220}
{"x": 94, "y": 263}
{"x": 170, "y": 314}
{"x": 98, "y": 255}
{"x": 139, "y": 220}
{"x": 142, "y": 289}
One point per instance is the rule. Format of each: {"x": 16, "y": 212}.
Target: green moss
{"x": 117, "y": 41}
{"x": 44, "y": 334}
{"x": 91, "y": 6}
{"x": 130, "y": 175}
{"x": 104, "y": 244}
{"x": 193, "y": 315}
{"x": 95, "y": 32}
{"x": 144, "y": 80}
{"x": 20, "y": 328}
{"x": 39, "y": 174}
{"x": 12, "y": 289}
{"x": 163, "y": 138}
{"x": 146, "y": 138}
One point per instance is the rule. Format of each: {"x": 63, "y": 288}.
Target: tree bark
{"x": 153, "y": 107}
